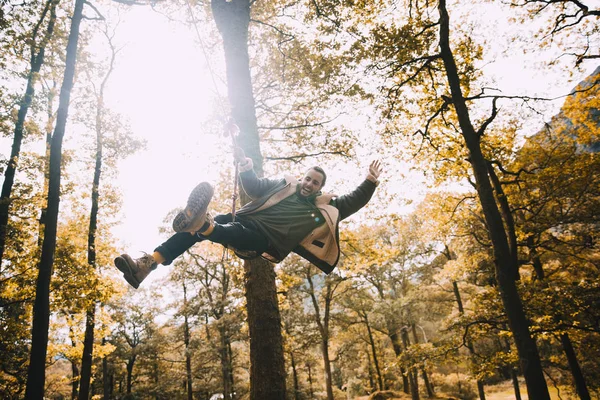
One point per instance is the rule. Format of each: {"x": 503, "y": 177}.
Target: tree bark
{"x": 130, "y": 364}
{"x": 267, "y": 365}
{"x": 397, "y": 346}
{"x": 36, "y": 376}
{"x": 295, "y": 376}
{"x": 428, "y": 385}
{"x": 323, "y": 325}
{"x": 86, "y": 359}
{"x": 413, "y": 377}
{"x": 503, "y": 260}
{"x": 36, "y": 62}
{"x": 106, "y": 376}
{"x": 565, "y": 340}
{"x": 461, "y": 310}
{"x": 373, "y": 349}
{"x": 186, "y": 342}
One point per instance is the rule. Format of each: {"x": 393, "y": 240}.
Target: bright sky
{"x": 162, "y": 86}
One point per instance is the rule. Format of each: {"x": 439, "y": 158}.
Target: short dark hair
{"x": 321, "y": 171}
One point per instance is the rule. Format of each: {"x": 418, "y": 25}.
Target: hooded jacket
{"x": 321, "y": 246}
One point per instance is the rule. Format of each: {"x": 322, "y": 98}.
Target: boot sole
{"x": 197, "y": 205}
{"x": 123, "y": 266}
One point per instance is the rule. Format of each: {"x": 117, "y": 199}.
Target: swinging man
{"x": 284, "y": 216}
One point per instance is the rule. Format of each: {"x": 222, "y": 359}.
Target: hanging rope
{"x": 230, "y": 128}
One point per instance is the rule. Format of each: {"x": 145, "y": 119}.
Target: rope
{"x": 230, "y": 128}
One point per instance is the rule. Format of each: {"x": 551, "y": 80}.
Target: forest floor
{"x": 503, "y": 391}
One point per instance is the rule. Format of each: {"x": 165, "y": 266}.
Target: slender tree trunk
{"x": 225, "y": 362}
{"x": 370, "y": 372}
{"x": 428, "y": 385}
{"x": 86, "y": 360}
{"x": 106, "y": 376}
{"x": 36, "y": 61}
{"x": 397, "y": 346}
{"x": 186, "y": 342}
{"x": 565, "y": 340}
{"x": 374, "y": 350}
{"x": 310, "y": 382}
{"x": 295, "y": 376}
{"x": 327, "y": 368}
{"x": 413, "y": 377}
{"x": 231, "y": 370}
{"x": 267, "y": 365}
{"x": 504, "y": 262}
{"x": 36, "y": 376}
{"x": 461, "y": 310}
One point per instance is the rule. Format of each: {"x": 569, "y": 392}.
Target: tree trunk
{"x": 88, "y": 345}
{"x": 86, "y": 359}
{"x": 310, "y": 382}
{"x": 130, "y": 364}
{"x": 327, "y": 368}
{"x": 503, "y": 260}
{"x": 397, "y": 346}
{"x": 267, "y": 365}
{"x": 186, "y": 342}
{"x": 413, "y": 377}
{"x": 295, "y": 376}
{"x": 225, "y": 362}
{"x": 106, "y": 376}
{"x": 36, "y": 376}
{"x": 36, "y": 61}
{"x": 461, "y": 310}
{"x": 428, "y": 385}
{"x": 373, "y": 349}
{"x": 565, "y": 340}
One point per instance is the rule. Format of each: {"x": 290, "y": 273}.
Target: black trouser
{"x": 241, "y": 234}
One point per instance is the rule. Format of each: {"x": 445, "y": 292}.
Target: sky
{"x": 163, "y": 87}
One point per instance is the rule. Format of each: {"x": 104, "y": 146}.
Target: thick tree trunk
{"x": 36, "y": 376}
{"x": 397, "y": 346}
{"x": 130, "y": 364}
{"x": 36, "y": 61}
{"x": 503, "y": 260}
{"x": 267, "y": 366}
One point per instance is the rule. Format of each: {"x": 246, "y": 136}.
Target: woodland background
{"x": 473, "y": 273}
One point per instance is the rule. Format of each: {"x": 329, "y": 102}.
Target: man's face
{"x": 311, "y": 183}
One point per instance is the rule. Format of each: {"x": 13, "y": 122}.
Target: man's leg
{"x": 239, "y": 235}
{"x": 136, "y": 270}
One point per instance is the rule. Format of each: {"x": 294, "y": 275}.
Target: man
{"x": 284, "y": 216}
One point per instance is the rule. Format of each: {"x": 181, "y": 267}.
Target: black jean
{"x": 241, "y": 234}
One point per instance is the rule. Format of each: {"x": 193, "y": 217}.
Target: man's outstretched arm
{"x": 350, "y": 203}
{"x": 254, "y": 186}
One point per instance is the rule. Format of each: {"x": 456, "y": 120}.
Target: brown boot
{"x": 135, "y": 271}
{"x": 192, "y": 218}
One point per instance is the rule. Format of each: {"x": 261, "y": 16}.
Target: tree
{"x": 38, "y": 42}
{"x": 267, "y": 372}
{"x": 39, "y": 342}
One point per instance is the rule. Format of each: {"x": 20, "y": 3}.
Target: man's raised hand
{"x": 374, "y": 171}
